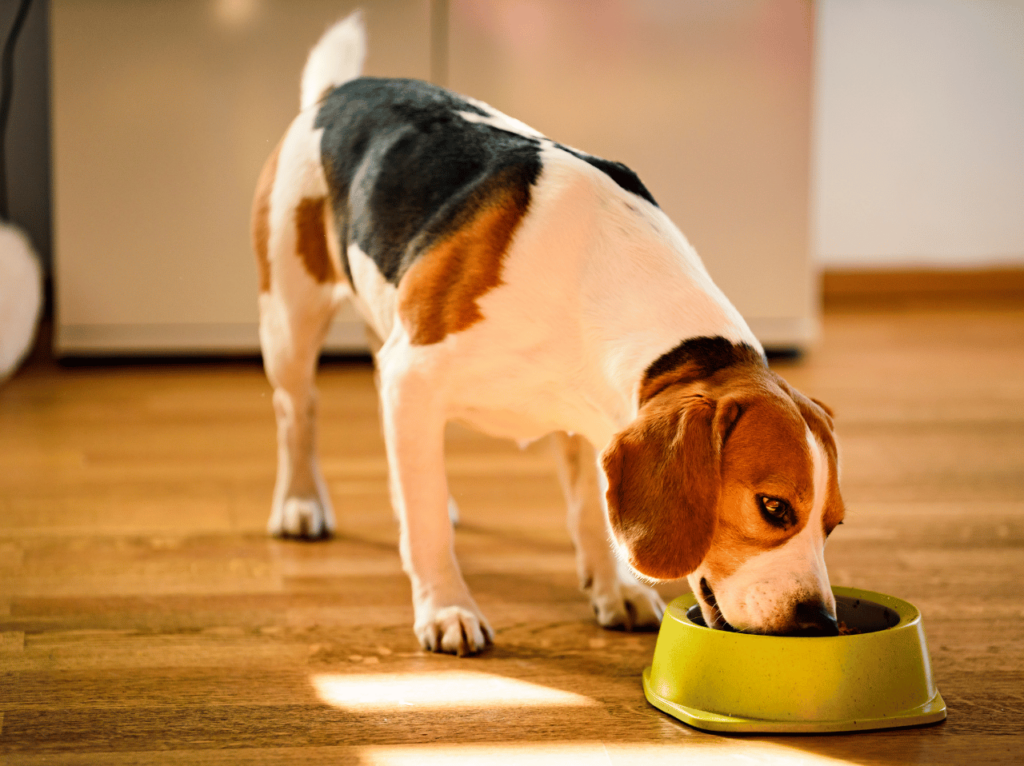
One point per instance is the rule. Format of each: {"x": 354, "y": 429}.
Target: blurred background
{"x": 787, "y": 139}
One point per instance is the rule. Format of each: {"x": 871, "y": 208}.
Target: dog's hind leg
{"x": 291, "y": 342}
{"x": 618, "y": 599}
{"x": 300, "y": 290}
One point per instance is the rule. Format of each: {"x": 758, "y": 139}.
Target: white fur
{"x": 569, "y": 305}
{"x": 21, "y": 297}
{"x": 762, "y": 594}
{"x": 336, "y": 58}
{"x": 374, "y": 297}
{"x": 498, "y": 120}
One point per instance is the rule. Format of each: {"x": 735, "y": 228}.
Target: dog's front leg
{"x": 376, "y": 344}
{"x": 618, "y": 599}
{"x": 447, "y": 618}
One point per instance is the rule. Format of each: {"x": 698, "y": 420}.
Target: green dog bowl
{"x": 877, "y": 678}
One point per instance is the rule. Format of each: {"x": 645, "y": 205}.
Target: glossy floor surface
{"x": 145, "y": 618}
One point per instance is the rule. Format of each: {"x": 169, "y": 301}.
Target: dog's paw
{"x": 303, "y": 518}
{"x": 627, "y": 606}
{"x": 454, "y": 630}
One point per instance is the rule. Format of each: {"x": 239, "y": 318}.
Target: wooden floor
{"x": 145, "y": 617}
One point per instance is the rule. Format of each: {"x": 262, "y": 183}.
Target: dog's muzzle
{"x": 812, "y": 618}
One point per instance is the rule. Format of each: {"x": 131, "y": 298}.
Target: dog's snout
{"x": 813, "y": 618}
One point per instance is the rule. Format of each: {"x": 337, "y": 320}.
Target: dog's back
{"x": 407, "y": 170}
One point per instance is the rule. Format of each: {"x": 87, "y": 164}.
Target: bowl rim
{"x": 910, "y": 616}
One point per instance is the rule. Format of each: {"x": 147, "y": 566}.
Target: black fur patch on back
{"x": 704, "y": 355}
{"x": 402, "y": 164}
{"x": 616, "y": 171}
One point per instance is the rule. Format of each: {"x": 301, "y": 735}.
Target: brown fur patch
{"x": 663, "y": 484}
{"x": 311, "y": 239}
{"x": 820, "y": 419}
{"x": 260, "y": 221}
{"x": 835, "y": 509}
{"x": 438, "y": 295}
{"x": 767, "y": 453}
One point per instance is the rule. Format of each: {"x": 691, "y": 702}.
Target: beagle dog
{"x": 526, "y": 288}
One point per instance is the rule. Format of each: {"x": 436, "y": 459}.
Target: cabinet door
{"x": 709, "y": 102}
{"x": 164, "y": 112}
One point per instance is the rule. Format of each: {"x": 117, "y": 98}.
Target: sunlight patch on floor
{"x": 713, "y": 752}
{"x": 438, "y": 690}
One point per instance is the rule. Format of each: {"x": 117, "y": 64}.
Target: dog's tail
{"x": 337, "y": 58}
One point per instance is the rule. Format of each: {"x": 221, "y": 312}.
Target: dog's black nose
{"x": 813, "y": 619}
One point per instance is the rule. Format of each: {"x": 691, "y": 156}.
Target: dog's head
{"x": 729, "y": 476}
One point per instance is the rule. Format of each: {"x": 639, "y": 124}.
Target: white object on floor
{"x": 21, "y": 297}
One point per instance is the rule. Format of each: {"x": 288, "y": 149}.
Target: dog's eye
{"x": 775, "y": 510}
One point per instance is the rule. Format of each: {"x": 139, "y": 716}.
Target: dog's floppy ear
{"x": 664, "y": 475}
{"x": 808, "y": 405}
{"x": 825, "y": 407}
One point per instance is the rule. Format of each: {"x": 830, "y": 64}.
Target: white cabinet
{"x": 165, "y": 110}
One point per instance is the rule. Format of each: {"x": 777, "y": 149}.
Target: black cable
{"x": 6, "y": 91}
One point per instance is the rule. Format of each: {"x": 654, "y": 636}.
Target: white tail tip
{"x": 336, "y": 58}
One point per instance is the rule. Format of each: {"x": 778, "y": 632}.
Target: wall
{"x": 919, "y": 135}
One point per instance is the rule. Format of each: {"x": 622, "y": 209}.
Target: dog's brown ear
{"x": 828, "y": 410}
{"x": 664, "y": 473}
{"x": 808, "y": 404}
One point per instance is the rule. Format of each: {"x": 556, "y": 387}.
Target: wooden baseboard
{"x": 1000, "y": 286}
